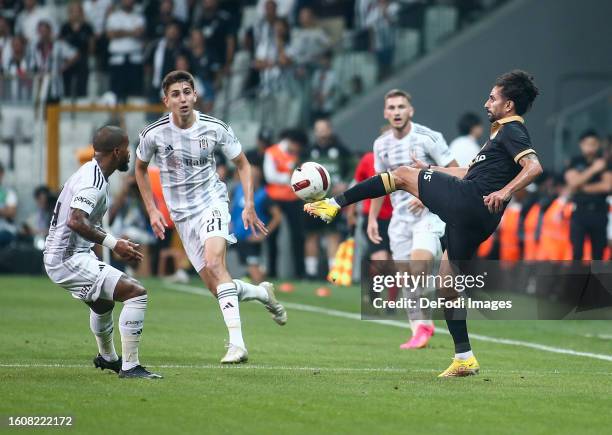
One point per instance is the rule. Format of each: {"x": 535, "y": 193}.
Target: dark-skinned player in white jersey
{"x": 71, "y": 264}
{"x": 470, "y": 200}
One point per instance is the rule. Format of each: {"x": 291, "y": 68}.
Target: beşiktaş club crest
{"x": 203, "y": 142}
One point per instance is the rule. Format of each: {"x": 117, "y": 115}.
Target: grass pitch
{"x": 325, "y": 371}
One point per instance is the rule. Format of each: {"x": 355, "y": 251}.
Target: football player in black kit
{"x": 470, "y": 200}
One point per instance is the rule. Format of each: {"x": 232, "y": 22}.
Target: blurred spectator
{"x": 161, "y": 59}
{"x": 284, "y": 9}
{"x": 324, "y": 88}
{"x": 8, "y": 211}
{"x": 217, "y": 28}
{"x": 53, "y": 57}
{"x": 96, "y": 13}
{"x": 328, "y": 151}
{"x": 382, "y": 22}
{"x": 17, "y": 62}
{"x": 37, "y": 224}
{"x": 249, "y": 245}
{"x": 465, "y": 147}
{"x": 203, "y": 67}
{"x": 589, "y": 176}
{"x": 8, "y": 10}
{"x": 27, "y": 21}
{"x": 124, "y": 29}
{"x": 363, "y": 9}
{"x": 265, "y": 137}
{"x": 128, "y": 219}
{"x": 279, "y": 162}
{"x": 19, "y": 66}
{"x": 251, "y": 81}
{"x": 269, "y": 45}
{"x": 159, "y": 16}
{"x": 308, "y": 41}
{"x": 80, "y": 35}
{"x": 5, "y": 41}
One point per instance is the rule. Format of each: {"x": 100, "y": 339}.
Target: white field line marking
{"x": 296, "y": 369}
{"x": 354, "y": 316}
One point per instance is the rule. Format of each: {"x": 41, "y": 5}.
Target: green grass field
{"x": 325, "y": 372}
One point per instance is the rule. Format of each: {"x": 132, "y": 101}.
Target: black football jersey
{"x": 497, "y": 162}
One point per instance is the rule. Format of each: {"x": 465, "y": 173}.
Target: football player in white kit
{"x": 414, "y": 232}
{"x": 70, "y": 262}
{"x": 183, "y": 143}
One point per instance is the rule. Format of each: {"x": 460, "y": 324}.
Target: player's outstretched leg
{"x": 101, "y": 324}
{"x": 264, "y": 293}
{"x": 403, "y": 178}
{"x": 131, "y": 320}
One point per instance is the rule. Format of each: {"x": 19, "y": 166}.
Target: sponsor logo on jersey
{"x": 427, "y": 175}
{"x": 84, "y": 200}
{"x": 195, "y": 162}
{"x": 479, "y": 158}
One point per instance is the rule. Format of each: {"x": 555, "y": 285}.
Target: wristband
{"x": 109, "y": 241}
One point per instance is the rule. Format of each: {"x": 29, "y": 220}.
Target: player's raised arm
{"x": 531, "y": 170}
{"x": 249, "y": 217}
{"x": 156, "y": 218}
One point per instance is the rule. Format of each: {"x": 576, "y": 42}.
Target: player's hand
{"x": 416, "y": 163}
{"x": 416, "y": 207}
{"x": 599, "y": 165}
{"x": 372, "y": 231}
{"x": 128, "y": 250}
{"x": 158, "y": 223}
{"x": 495, "y": 201}
{"x": 250, "y": 220}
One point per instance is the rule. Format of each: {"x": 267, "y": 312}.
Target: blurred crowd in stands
{"x": 563, "y": 216}
{"x": 127, "y": 46}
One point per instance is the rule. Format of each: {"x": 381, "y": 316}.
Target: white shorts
{"x": 196, "y": 229}
{"x": 406, "y": 235}
{"x": 84, "y": 276}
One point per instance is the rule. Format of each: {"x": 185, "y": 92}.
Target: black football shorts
{"x": 460, "y": 205}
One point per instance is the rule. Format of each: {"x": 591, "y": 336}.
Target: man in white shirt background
{"x": 466, "y": 146}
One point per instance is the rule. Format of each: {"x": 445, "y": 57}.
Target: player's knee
{"x": 402, "y": 176}
{"x": 214, "y": 266}
{"x": 136, "y": 290}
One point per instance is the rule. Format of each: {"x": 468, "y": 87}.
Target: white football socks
{"x": 131, "y": 321}
{"x": 102, "y": 327}
{"x": 464, "y": 355}
{"x": 248, "y": 292}
{"x": 227, "y": 296}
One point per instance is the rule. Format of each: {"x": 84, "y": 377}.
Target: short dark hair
{"x": 176, "y": 77}
{"x": 398, "y": 93}
{"x": 108, "y": 138}
{"x": 295, "y": 135}
{"x": 467, "y": 122}
{"x": 519, "y": 87}
{"x": 591, "y": 132}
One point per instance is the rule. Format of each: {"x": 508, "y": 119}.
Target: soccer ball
{"x": 310, "y": 182}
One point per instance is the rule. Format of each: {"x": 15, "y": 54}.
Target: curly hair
{"x": 519, "y": 87}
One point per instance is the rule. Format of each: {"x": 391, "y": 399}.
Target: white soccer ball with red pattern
{"x": 310, "y": 181}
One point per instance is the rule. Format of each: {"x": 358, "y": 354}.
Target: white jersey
{"x": 87, "y": 190}
{"x": 186, "y": 161}
{"x": 424, "y": 143}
